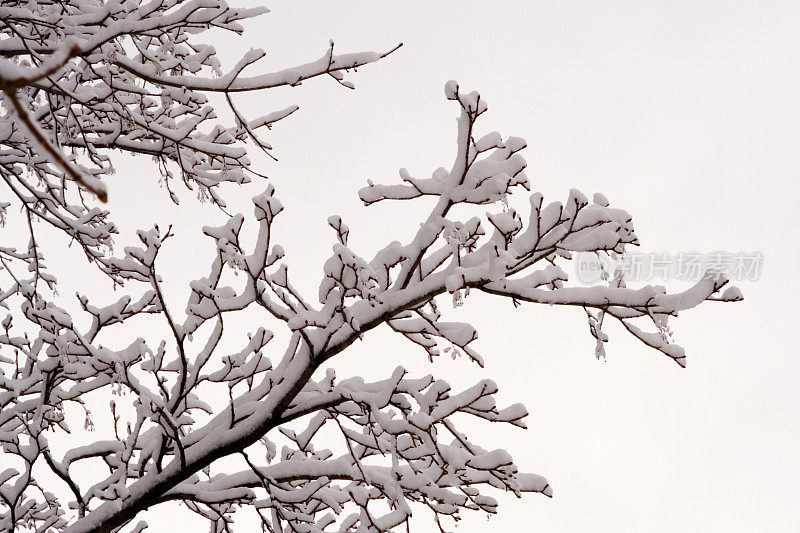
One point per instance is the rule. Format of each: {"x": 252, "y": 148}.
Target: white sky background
{"x": 684, "y": 113}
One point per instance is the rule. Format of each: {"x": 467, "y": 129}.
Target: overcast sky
{"x": 686, "y": 114}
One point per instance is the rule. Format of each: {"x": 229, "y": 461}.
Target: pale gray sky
{"x": 686, "y": 114}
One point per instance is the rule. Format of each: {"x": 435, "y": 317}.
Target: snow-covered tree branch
{"x": 81, "y": 80}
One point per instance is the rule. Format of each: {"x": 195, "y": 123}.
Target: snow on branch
{"x": 354, "y": 455}
{"x": 80, "y": 80}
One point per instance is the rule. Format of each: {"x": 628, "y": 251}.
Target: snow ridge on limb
{"x": 354, "y": 455}
{"x": 174, "y": 436}
{"x": 509, "y": 263}
{"x": 80, "y": 79}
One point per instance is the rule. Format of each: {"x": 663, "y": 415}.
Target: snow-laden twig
{"x": 354, "y": 455}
